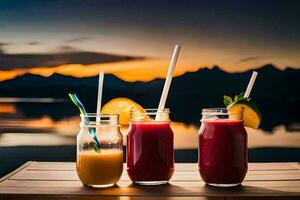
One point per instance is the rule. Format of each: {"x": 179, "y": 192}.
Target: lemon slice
{"x": 246, "y": 111}
{"x": 121, "y": 106}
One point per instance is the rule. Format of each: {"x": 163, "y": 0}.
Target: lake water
{"x": 52, "y": 122}
{"x": 45, "y": 130}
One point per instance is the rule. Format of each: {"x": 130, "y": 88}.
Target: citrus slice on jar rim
{"x": 246, "y": 111}
{"x": 122, "y": 106}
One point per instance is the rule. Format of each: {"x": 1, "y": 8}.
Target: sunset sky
{"x": 46, "y": 37}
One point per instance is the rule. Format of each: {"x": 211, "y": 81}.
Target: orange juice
{"x": 99, "y": 169}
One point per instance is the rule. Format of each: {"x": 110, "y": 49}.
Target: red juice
{"x": 150, "y": 153}
{"x": 223, "y": 152}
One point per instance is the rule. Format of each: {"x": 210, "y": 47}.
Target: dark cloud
{"x": 15, "y": 61}
{"x": 33, "y": 43}
{"x": 253, "y": 58}
{"x": 68, "y": 48}
{"x": 78, "y": 39}
{"x": 3, "y": 44}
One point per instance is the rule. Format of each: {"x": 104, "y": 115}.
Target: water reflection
{"x": 16, "y": 129}
{"x": 7, "y": 108}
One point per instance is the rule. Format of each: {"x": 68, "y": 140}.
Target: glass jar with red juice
{"x": 222, "y": 152}
{"x": 150, "y": 151}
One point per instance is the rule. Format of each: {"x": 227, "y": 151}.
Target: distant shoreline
{"x": 31, "y": 100}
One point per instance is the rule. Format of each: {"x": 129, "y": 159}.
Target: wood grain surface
{"x": 58, "y": 180}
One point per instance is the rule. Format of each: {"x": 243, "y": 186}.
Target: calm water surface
{"x": 46, "y": 122}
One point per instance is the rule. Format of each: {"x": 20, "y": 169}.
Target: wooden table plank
{"x": 122, "y": 183}
{"x": 59, "y": 181}
{"x": 53, "y": 197}
{"x": 179, "y": 166}
{"x": 61, "y": 197}
{"x": 165, "y": 190}
{"x": 178, "y": 176}
{"x": 15, "y": 171}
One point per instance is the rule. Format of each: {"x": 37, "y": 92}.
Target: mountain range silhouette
{"x": 276, "y": 92}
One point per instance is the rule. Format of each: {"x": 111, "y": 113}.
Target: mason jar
{"x": 223, "y": 158}
{"x": 150, "y": 150}
{"x": 99, "y": 164}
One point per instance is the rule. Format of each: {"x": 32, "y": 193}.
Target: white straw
{"x": 100, "y": 90}
{"x": 168, "y": 80}
{"x": 250, "y": 84}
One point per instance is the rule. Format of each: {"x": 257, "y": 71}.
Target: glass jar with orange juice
{"x": 101, "y": 167}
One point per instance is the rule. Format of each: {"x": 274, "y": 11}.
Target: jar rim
{"x": 151, "y": 111}
{"x": 150, "y": 115}
{"x": 215, "y": 111}
{"x": 222, "y": 120}
{"x": 99, "y": 115}
{"x": 96, "y": 119}
{"x": 218, "y": 114}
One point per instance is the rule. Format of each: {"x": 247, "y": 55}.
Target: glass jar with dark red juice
{"x": 150, "y": 151}
{"x": 222, "y": 149}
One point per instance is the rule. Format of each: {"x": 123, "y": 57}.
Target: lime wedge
{"x": 246, "y": 111}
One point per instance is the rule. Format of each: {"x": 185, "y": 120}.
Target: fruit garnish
{"x": 121, "y": 106}
{"x": 241, "y": 108}
{"x": 228, "y": 100}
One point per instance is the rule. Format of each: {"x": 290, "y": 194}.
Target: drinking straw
{"x": 250, "y": 84}
{"x": 168, "y": 80}
{"x": 99, "y": 99}
{"x": 82, "y": 110}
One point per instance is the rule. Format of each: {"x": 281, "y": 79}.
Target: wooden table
{"x": 58, "y": 180}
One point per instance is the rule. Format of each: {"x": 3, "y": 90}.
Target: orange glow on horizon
{"x": 139, "y": 70}
{"x": 136, "y": 70}
{"x": 7, "y": 108}
{"x": 6, "y": 75}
